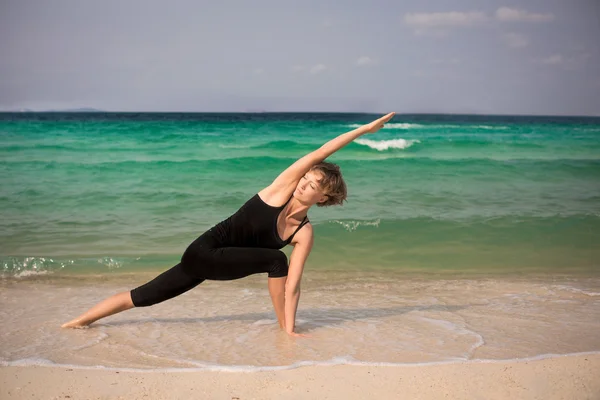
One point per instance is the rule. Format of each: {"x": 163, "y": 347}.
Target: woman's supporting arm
{"x": 277, "y": 292}
{"x": 302, "y": 247}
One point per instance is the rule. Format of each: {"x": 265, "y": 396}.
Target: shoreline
{"x": 515, "y": 273}
{"x": 231, "y": 325}
{"x": 337, "y": 361}
{"x": 551, "y": 377}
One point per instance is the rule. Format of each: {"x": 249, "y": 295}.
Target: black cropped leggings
{"x": 202, "y": 261}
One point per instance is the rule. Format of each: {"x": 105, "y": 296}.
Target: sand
{"x": 559, "y": 377}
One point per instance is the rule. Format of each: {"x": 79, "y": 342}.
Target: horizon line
{"x": 84, "y": 110}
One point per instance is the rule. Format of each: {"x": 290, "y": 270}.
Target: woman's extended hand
{"x": 378, "y": 123}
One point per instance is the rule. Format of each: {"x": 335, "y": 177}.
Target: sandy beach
{"x": 559, "y": 377}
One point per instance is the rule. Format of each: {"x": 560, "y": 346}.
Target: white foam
{"x": 575, "y": 290}
{"x": 94, "y": 342}
{"x": 264, "y": 322}
{"x": 30, "y": 266}
{"x": 382, "y": 145}
{"x": 353, "y": 225}
{"x": 345, "y": 360}
{"x": 110, "y": 263}
{"x": 490, "y": 127}
{"x": 395, "y": 125}
{"x": 27, "y": 273}
{"x": 459, "y": 329}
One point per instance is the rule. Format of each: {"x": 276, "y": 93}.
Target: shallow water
{"x": 369, "y": 317}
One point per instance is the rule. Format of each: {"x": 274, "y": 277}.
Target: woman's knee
{"x": 279, "y": 265}
{"x": 281, "y": 258}
{"x": 126, "y": 300}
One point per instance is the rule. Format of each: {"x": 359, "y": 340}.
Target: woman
{"x": 249, "y": 241}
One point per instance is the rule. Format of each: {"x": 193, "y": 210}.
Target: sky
{"x": 539, "y": 57}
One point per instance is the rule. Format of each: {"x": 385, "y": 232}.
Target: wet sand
{"x": 561, "y": 377}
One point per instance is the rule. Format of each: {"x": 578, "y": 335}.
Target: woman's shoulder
{"x": 304, "y": 236}
{"x": 275, "y": 196}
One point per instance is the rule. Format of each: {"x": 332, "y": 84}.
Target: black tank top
{"x": 254, "y": 225}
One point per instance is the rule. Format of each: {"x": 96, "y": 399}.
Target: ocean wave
{"x": 41, "y": 146}
{"x": 110, "y": 263}
{"x": 501, "y": 127}
{"x": 29, "y": 273}
{"x": 32, "y": 266}
{"x": 284, "y": 145}
{"x": 458, "y": 329}
{"x": 406, "y": 125}
{"x": 354, "y": 152}
{"x": 394, "y": 125}
{"x": 352, "y": 225}
{"x": 576, "y": 290}
{"x": 382, "y": 145}
{"x": 234, "y": 146}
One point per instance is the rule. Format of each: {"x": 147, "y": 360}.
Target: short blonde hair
{"x": 332, "y": 183}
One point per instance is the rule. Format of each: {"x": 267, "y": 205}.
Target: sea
{"x": 464, "y": 237}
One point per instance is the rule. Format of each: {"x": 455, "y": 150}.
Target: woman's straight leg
{"x": 167, "y": 285}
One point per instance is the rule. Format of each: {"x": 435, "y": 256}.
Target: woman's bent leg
{"x": 229, "y": 263}
{"x": 167, "y": 285}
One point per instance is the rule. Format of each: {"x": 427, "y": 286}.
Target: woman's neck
{"x": 295, "y": 209}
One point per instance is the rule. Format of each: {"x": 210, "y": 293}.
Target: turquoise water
{"x": 112, "y": 192}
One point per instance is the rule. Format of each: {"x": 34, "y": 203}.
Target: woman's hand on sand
{"x": 378, "y": 123}
{"x": 295, "y": 334}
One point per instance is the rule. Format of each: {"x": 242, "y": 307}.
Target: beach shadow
{"x": 315, "y": 317}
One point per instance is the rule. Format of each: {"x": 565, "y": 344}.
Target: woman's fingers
{"x": 387, "y": 117}
{"x": 378, "y": 123}
{"x": 298, "y": 334}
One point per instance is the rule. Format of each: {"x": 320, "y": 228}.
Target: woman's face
{"x": 309, "y": 189}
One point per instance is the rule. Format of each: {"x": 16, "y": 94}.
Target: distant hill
{"x": 83, "y": 109}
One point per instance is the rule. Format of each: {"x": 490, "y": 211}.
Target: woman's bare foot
{"x": 75, "y": 324}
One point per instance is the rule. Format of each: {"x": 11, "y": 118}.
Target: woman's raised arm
{"x": 291, "y": 175}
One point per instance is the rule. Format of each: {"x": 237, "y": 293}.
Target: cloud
{"x": 364, "y": 60}
{"x": 515, "y": 40}
{"x": 437, "y": 22}
{"x": 318, "y": 68}
{"x": 258, "y": 71}
{"x": 554, "y": 59}
{"x": 507, "y": 14}
{"x": 315, "y": 69}
{"x": 570, "y": 62}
